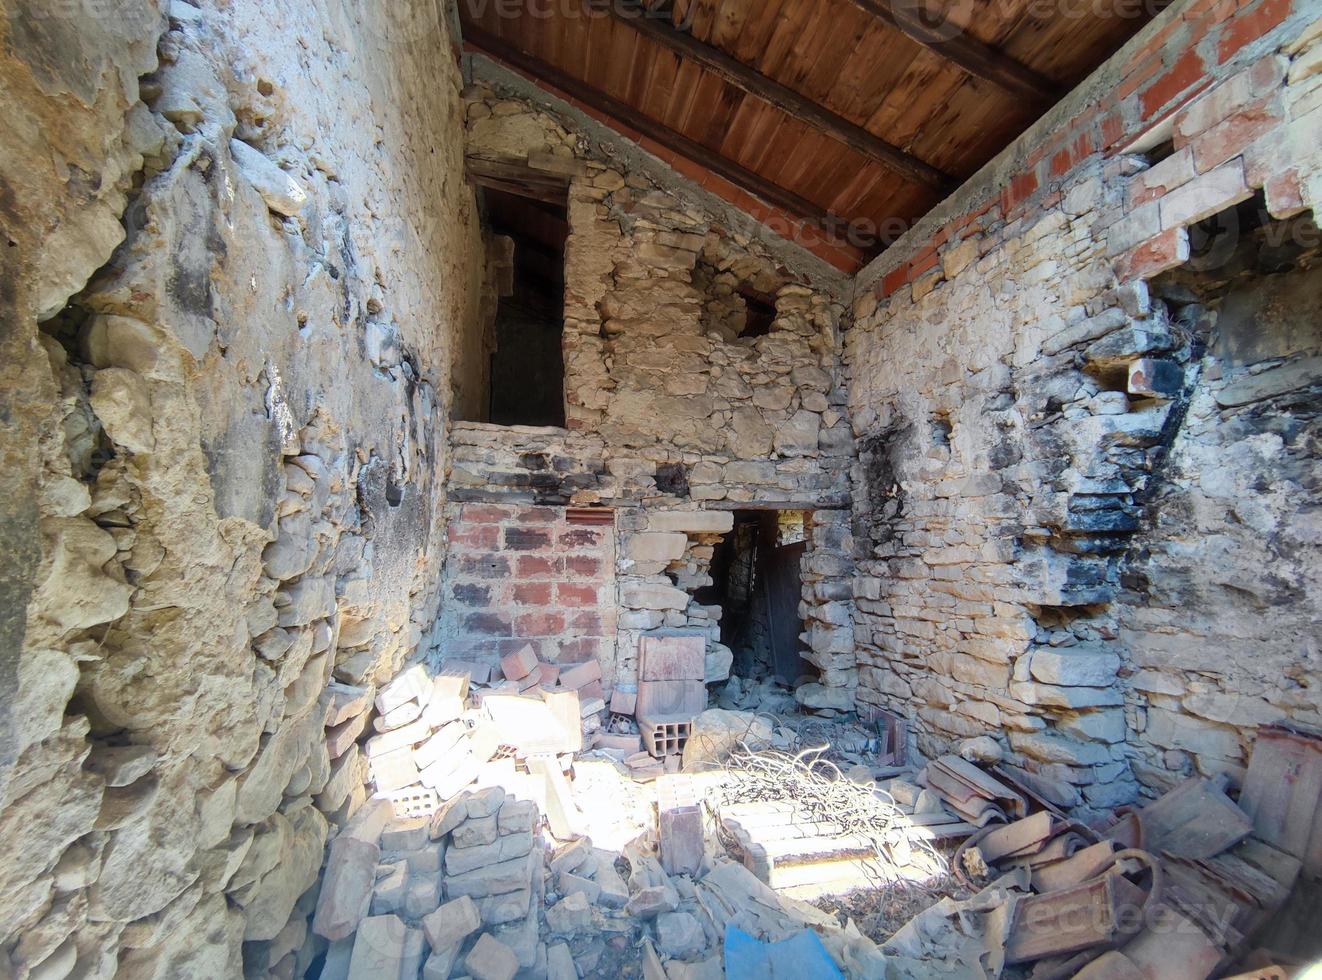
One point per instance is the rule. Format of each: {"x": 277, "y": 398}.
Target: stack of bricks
{"x": 670, "y": 690}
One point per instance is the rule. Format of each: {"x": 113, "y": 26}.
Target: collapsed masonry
{"x": 1054, "y": 453}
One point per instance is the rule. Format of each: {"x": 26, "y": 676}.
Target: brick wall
{"x": 518, "y": 574}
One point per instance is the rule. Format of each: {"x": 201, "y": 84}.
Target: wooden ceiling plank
{"x": 757, "y": 30}
{"x": 970, "y": 54}
{"x": 629, "y": 117}
{"x": 782, "y": 97}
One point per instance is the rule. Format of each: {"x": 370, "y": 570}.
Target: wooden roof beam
{"x": 628, "y": 117}
{"x": 741, "y": 76}
{"x": 968, "y": 53}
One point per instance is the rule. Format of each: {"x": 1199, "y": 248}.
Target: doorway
{"x": 756, "y": 580}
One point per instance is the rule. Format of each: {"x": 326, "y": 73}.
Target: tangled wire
{"x": 821, "y": 793}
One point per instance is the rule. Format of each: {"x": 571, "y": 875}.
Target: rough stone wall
{"x": 227, "y": 439}
{"x": 646, "y": 361}
{"x": 1016, "y": 387}
{"x": 667, "y": 405}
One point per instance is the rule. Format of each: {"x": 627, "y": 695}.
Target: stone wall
{"x": 653, "y": 313}
{"x": 668, "y": 403}
{"x": 236, "y": 258}
{"x": 1025, "y": 403}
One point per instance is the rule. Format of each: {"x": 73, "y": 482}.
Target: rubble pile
{"x": 522, "y": 824}
{"x": 1185, "y": 887}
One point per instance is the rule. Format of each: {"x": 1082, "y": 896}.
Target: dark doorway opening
{"x": 527, "y": 365}
{"x": 756, "y": 581}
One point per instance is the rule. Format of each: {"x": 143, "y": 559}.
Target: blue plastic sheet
{"x": 801, "y": 957}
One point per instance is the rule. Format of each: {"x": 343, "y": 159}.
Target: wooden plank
{"x": 971, "y": 55}
{"x": 783, "y": 97}
{"x": 629, "y": 117}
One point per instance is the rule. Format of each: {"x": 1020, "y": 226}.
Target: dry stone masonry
{"x": 1046, "y": 506}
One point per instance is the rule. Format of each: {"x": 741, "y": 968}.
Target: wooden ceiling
{"x": 847, "y": 114}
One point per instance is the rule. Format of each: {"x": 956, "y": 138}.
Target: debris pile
{"x": 478, "y": 889}
{"x": 806, "y": 830}
{"x": 1182, "y": 887}
{"x": 519, "y": 825}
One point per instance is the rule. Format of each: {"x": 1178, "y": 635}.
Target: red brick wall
{"x": 1198, "y": 73}
{"x": 518, "y": 574}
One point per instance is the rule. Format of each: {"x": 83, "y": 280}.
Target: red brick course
{"x": 1175, "y": 77}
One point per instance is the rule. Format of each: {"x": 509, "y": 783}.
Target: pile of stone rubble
{"x": 511, "y": 830}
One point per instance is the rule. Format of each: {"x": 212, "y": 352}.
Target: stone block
{"x": 484, "y": 802}
{"x": 671, "y": 658}
{"x": 670, "y": 699}
{"x": 445, "y": 742}
{"x": 656, "y": 546}
{"x": 680, "y": 934}
{"x": 423, "y": 893}
{"x": 442, "y": 708}
{"x": 648, "y": 902}
{"x": 691, "y": 521}
{"x": 405, "y": 835}
{"x": 623, "y": 702}
{"x": 1074, "y": 666}
{"x": 490, "y": 959}
{"x": 517, "y": 816}
{"x": 580, "y": 675}
{"x": 571, "y": 915}
{"x": 1205, "y": 196}
{"x": 371, "y": 818}
{"x": 1106, "y": 725}
{"x": 681, "y": 839}
{"x": 568, "y": 883}
{"x": 475, "y": 831}
{"x": 393, "y": 770}
{"x": 452, "y": 923}
{"x": 571, "y": 856}
{"x": 1051, "y": 696}
{"x": 401, "y": 738}
{"x": 440, "y": 963}
{"x": 1045, "y": 747}
{"x": 401, "y": 716}
{"x": 565, "y": 706}
{"x": 386, "y": 949}
{"x": 647, "y": 595}
{"x": 344, "y": 701}
{"x": 391, "y": 888}
{"x": 346, "y": 888}
{"x": 507, "y": 907}
{"x": 560, "y": 963}
{"x": 614, "y": 893}
{"x": 494, "y": 879}
{"x": 562, "y": 813}
{"x": 461, "y": 860}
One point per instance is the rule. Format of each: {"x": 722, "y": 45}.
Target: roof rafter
{"x": 740, "y": 75}
{"x": 628, "y": 117}
{"x": 968, "y": 53}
